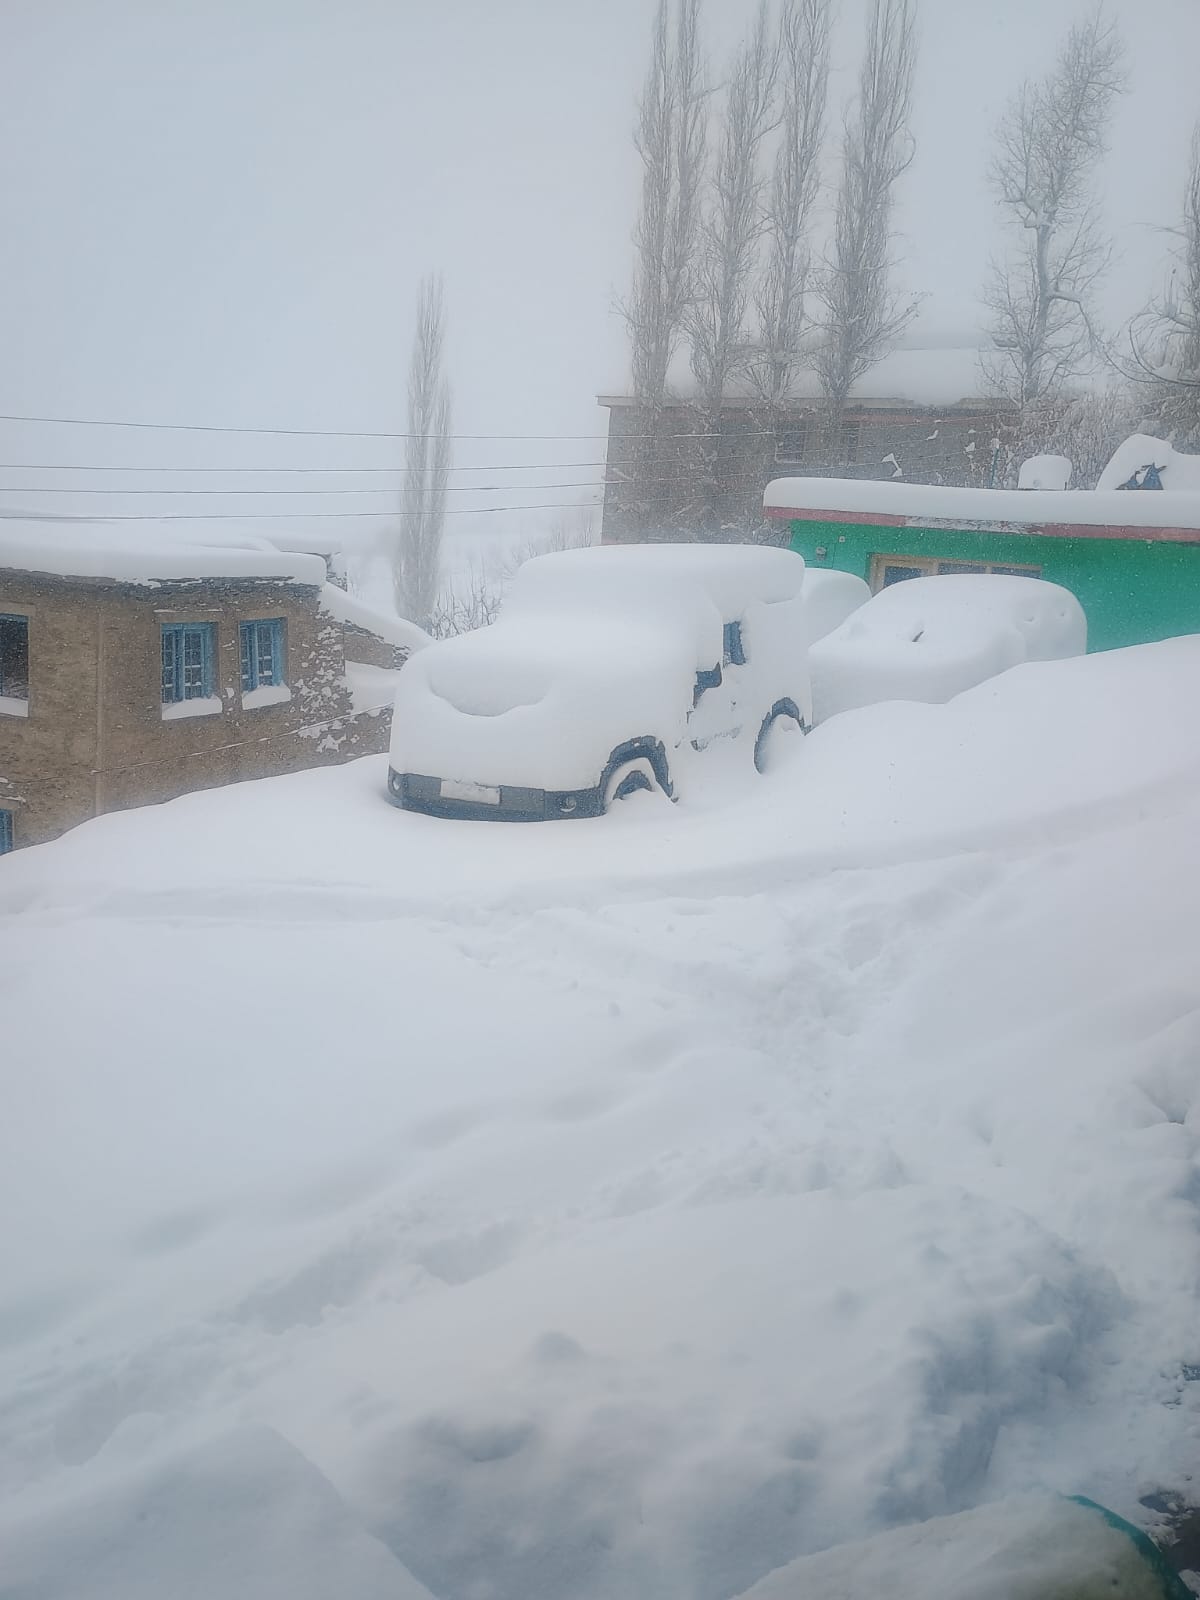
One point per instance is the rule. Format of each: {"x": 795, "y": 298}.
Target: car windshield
{"x": 600, "y": 800}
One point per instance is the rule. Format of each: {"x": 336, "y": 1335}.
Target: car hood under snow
{"x": 540, "y": 706}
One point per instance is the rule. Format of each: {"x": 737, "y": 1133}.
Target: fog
{"x": 219, "y": 212}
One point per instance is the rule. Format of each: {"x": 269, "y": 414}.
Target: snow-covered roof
{"x": 114, "y": 551}
{"x": 394, "y": 630}
{"x": 1112, "y": 514}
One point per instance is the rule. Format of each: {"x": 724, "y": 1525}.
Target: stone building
{"x": 134, "y": 670}
{"x": 918, "y": 417}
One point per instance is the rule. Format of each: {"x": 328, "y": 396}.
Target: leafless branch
{"x": 1048, "y": 145}
{"x": 862, "y": 315}
{"x": 730, "y": 230}
{"x": 804, "y": 39}
{"x": 669, "y": 136}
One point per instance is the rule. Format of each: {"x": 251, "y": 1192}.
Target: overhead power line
{"x": 452, "y": 488}
{"x": 13, "y": 514}
{"x": 330, "y": 433}
{"x": 297, "y": 433}
{"x": 511, "y": 466}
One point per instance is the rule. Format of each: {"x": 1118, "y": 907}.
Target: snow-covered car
{"x": 610, "y": 670}
{"x": 929, "y": 639}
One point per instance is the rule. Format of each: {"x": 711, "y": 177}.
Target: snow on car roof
{"x": 731, "y": 575}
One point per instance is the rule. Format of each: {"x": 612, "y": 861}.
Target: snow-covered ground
{"x": 396, "y": 1208}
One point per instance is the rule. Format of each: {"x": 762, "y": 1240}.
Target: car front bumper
{"x": 412, "y": 791}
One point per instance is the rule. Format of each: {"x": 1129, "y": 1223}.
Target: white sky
{"x": 218, "y": 210}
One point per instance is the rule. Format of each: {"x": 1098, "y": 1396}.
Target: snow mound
{"x": 1045, "y": 472}
{"x": 241, "y": 1515}
{"x": 929, "y": 639}
{"x": 626, "y": 1209}
{"x": 677, "y": 1402}
{"x": 1178, "y": 472}
{"x": 1029, "y": 1548}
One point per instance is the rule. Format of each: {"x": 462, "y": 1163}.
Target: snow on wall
{"x": 924, "y": 505}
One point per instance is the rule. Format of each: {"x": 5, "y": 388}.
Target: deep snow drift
{"x": 395, "y": 1208}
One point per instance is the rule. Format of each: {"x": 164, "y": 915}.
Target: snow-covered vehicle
{"x": 929, "y": 639}
{"x": 609, "y": 671}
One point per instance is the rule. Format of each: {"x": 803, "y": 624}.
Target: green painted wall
{"x": 1133, "y": 591}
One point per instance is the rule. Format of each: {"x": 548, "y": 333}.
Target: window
{"x": 792, "y": 444}
{"x": 893, "y": 572}
{"x": 188, "y": 649}
{"x": 14, "y": 658}
{"x": 733, "y": 651}
{"x": 262, "y": 654}
{"x": 6, "y": 832}
{"x": 705, "y": 680}
{"x": 886, "y": 570}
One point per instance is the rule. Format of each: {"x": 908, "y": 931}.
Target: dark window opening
{"x": 188, "y": 649}
{"x": 6, "y": 832}
{"x": 705, "y": 680}
{"x": 792, "y": 444}
{"x": 733, "y": 652}
{"x": 893, "y": 573}
{"x": 850, "y": 442}
{"x": 262, "y": 654}
{"x": 14, "y": 658}
{"x": 886, "y": 570}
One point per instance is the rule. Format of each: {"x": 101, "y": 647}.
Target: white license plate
{"x": 479, "y": 794}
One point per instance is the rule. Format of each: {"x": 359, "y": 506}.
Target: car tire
{"x": 780, "y": 715}
{"x": 635, "y": 776}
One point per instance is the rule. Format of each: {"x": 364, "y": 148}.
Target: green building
{"x": 1132, "y": 558}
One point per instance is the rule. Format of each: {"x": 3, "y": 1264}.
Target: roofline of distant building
{"x": 967, "y": 405}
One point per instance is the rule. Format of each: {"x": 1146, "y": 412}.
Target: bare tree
{"x": 863, "y": 315}
{"x": 804, "y": 31}
{"x": 670, "y": 140}
{"x": 1164, "y": 340}
{"x": 417, "y": 554}
{"x": 1087, "y": 428}
{"x": 1049, "y": 142}
{"x": 730, "y": 230}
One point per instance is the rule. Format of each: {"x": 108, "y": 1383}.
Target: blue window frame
{"x": 6, "y": 832}
{"x": 262, "y": 654}
{"x": 188, "y": 652}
